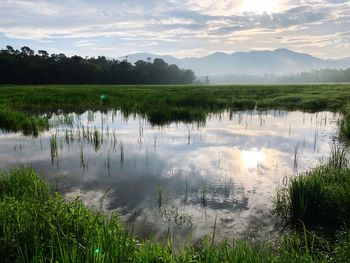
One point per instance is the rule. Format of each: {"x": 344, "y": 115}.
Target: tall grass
{"x": 345, "y": 126}
{"x": 20, "y": 122}
{"x": 203, "y": 192}
{"x": 37, "y": 225}
{"x": 296, "y": 155}
{"x": 338, "y": 156}
{"x": 320, "y": 197}
{"x": 53, "y": 148}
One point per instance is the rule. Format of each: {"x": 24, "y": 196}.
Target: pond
{"x": 181, "y": 178}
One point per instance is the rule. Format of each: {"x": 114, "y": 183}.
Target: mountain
{"x": 279, "y": 62}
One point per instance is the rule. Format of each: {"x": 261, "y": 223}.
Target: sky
{"x": 191, "y": 28}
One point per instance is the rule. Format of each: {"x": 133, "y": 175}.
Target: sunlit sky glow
{"x": 252, "y": 158}
{"x": 260, "y": 7}
{"x": 179, "y": 28}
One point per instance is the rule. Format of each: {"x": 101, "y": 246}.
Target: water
{"x": 180, "y": 178}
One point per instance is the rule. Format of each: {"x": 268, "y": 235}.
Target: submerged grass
{"x": 37, "y": 225}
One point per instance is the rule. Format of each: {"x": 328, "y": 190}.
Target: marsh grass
{"x": 37, "y": 225}
{"x": 203, "y": 192}
{"x": 82, "y": 159}
{"x": 20, "y": 122}
{"x": 53, "y": 148}
{"x": 97, "y": 139}
{"x": 121, "y": 147}
{"x": 160, "y": 197}
{"x": 338, "y": 155}
{"x": 165, "y": 104}
{"x": 345, "y": 127}
{"x": 296, "y": 155}
{"x": 320, "y": 197}
{"x": 186, "y": 194}
{"x": 108, "y": 162}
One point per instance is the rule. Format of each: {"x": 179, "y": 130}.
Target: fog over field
{"x": 279, "y": 61}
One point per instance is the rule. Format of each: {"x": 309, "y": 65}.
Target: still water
{"x": 180, "y": 178}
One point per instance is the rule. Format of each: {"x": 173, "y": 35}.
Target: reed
{"x": 121, "y": 146}
{"x": 53, "y": 147}
{"x": 319, "y": 197}
{"x": 296, "y": 156}
{"x": 97, "y": 139}
{"x": 203, "y": 192}
{"x": 82, "y": 160}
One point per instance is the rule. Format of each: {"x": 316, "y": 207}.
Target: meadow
{"x": 38, "y": 225}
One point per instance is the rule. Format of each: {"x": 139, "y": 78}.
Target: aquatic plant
{"x": 338, "y": 155}
{"x": 166, "y": 104}
{"x": 82, "y": 160}
{"x": 53, "y": 147}
{"x": 296, "y": 155}
{"x": 203, "y": 192}
{"x": 160, "y": 197}
{"x": 319, "y": 197}
{"x": 109, "y": 162}
{"x": 186, "y": 194}
{"x": 345, "y": 126}
{"x": 121, "y": 146}
{"x": 20, "y": 122}
{"x": 97, "y": 139}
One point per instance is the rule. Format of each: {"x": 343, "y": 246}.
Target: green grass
{"x": 319, "y": 198}
{"x": 165, "y": 104}
{"x": 37, "y": 225}
{"x": 345, "y": 126}
{"x": 20, "y": 122}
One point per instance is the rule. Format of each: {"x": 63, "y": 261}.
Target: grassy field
{"x": 37, "y": 225}
{"x": 165, "y": 104}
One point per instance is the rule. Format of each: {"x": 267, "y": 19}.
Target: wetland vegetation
{"x": 39, "y": 224}
{"x": 165, "y": 104}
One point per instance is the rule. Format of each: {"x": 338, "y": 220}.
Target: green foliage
{"x": 39, "y": 226}
{"x": 345, "y": 126}
{"x": 319, "y": 198}
{"x": 22, "y": 184}
{"x": 19, "y": 121}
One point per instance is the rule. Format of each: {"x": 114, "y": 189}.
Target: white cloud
{"x": 176, "y": 27}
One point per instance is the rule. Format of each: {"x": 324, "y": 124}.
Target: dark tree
{"x": 26, "y": 67}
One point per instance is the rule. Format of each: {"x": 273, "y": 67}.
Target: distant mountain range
{"x": 278, "y": 62}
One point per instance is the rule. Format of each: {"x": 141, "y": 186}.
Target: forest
{"x": 24, "y": 66}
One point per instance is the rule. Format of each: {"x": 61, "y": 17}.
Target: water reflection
{"x": 179, "y": 177}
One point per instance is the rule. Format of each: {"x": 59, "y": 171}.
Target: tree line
{"x": 319, "y": 76}
{"x": 315, "y": 76}
{"x": 24, "y": 66}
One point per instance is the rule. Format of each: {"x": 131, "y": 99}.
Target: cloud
{"x": 168, "y": 26}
